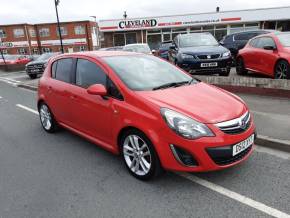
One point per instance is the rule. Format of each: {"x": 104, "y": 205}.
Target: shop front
{"x": 154, "y": 30}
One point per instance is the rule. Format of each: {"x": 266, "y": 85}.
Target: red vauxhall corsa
{"x": 267, "y": 54}
{"x": 152, "y": 113}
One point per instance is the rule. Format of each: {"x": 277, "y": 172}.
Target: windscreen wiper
{"x": 173, "y": 84}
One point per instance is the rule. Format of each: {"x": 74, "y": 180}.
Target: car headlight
{"x": 227, "y": 54}
{"x": 184, "y": 126}
{"x": 187, "y": 56}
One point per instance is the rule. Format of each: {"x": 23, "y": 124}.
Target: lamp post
{"x": 56, "y": 3}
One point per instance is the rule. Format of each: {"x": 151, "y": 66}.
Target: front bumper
{"x": 208, "y": 153}
{"x": 195, "y": 65}
{"x": 34, "y": 69}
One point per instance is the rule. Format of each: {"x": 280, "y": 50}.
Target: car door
{"x": 58, "y": 95}
{"x": 267, "y": 58}
{"x": 249, "y": 54}
{"x": 91, "y": 114}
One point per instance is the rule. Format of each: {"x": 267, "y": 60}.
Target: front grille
{"x": 208, "y": 57}
{"x": 237, "y": 125}
{"x": 225, "y": 157}
{"x": 39, "y": 67}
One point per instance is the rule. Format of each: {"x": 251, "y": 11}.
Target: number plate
{"x": 213, "y": 64}
{"x": 240, "y": 147}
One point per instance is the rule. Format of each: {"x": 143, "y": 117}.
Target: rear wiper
{"x": 173, "y": 84}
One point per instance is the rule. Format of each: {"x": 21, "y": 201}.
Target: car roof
{"x": 98, "y": 54}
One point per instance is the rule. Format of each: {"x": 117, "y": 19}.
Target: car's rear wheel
{"x": 139, "y": 155}
{"x": 32, "y": 76}
{"x": 240, "y": 67}
{"x": 282, "y": 70}
{"x": 47, "y": 120}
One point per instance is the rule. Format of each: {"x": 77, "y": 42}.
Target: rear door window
{"x": 88, "y": 73}
{"x": 63, "y": 70}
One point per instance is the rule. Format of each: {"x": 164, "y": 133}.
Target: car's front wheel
{"x": 139, "y": 155}
{"x": 282, "y": 70}
{"x": 47, "y": 120}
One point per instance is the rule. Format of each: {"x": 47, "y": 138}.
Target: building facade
{"x": 29, "y": 39}
{"x": 154, "y": 30}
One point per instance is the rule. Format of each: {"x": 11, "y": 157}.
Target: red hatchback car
{"x": 267, "y": 54}
{"x": 152, "y": 113}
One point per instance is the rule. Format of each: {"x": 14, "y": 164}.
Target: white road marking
{"x": 0, "y": 97}
{"x": 273, "y": 152}
{"x": 9, "y": 81}
{"x": 235, "y": 196}
{"x": 27, "y": 108}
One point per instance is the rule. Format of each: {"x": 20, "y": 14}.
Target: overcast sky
{"x": 39, "y": 11}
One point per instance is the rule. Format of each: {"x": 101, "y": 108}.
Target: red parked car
{"x": 15, "y": 59}
{"x": 152, "y": 113}
{"x": 267, "y": 54}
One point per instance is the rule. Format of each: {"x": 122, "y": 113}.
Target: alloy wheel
{"x": 281, "y": 70}
{"x": 45, "y": 117}
{"x": 137, "y": 155}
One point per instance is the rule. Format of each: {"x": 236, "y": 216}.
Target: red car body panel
{"x": 102, "y": 121}
{"x": 263, "y": 61}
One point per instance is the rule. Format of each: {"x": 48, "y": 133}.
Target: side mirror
{"x": 97, "y": 89}
{"x": 269, "y": 47}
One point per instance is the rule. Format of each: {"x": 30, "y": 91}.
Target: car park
{"x": 151, "y": 112}
{"x": 236, "y": 41}
{"x": 164, "y": 48}
{"x": 267, "y": 54}
{"x": 138, "y": 47}
{"x": 200, "y": 53}
{"x": 37, "y": 66}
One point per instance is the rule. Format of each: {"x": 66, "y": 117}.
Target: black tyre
{"x": 227, "y": 73}
{"x": 32, "y": 76}
{"x": 282, "y": 70}
{"x": 240, "y": 67}
{"x": 139, "y": 155}
{"x": 47, "y": 120}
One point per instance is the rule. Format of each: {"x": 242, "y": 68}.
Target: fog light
{"x": 183, "y": 157}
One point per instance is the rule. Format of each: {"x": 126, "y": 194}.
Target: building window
{"x": 82, "y": 48}
{"x": 18, "y": 33}
{"x": 2, "y": 33}
{"x": 44, "y": 32}
{"x": 121, "y": 39}
{"x": 32, "y": 32}
{"x": 35, "y": 51}
{"x": 46, "y": 50}
{"x": 21, "y": 51}
{"x": 80, "y": 30}
{"x": 63, "y": 31}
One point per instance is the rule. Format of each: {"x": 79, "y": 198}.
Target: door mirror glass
{"x": 97, "y": 89}
{"x": 269, "y": 47}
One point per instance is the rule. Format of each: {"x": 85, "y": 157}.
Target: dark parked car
{"x": 236, "y": 41}
{"x": 164, "y": 48}
{"x": 200, "y": 53}
{"x": 37, "y": 66}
